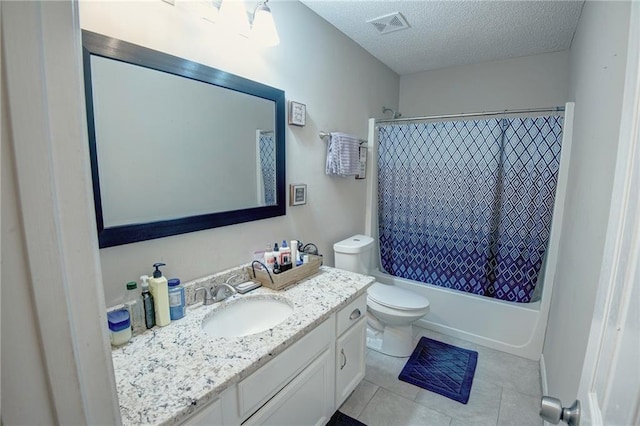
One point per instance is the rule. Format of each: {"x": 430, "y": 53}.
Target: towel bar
{"x": 324, "y": 134}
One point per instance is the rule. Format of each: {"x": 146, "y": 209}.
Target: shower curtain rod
{"x": 469, "y": 114}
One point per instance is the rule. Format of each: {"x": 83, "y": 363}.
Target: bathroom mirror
{"x": 177, "y": 146}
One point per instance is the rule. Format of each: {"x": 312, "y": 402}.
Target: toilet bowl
{"x": 391, "y": 310}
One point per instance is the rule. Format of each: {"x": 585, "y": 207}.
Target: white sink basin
{"x": 246, "y": 316}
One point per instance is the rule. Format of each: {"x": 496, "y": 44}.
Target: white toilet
{"x": 391, "y": 310}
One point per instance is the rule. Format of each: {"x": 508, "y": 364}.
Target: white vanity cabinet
{"x": 307, "y": 400}
{"x": 305, "y": 384}
{"x": 210, "y": 415}
{"x": 296, "y": 387}
{"x": 350, "y": 348}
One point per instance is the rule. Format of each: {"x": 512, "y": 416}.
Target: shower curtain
{"x": 468, "y": 204}
{"x": 267, "y": 152}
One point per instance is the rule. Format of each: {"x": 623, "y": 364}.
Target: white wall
{"x": 341, "y": 85}
{"x": 598, "y": 60}
{"x": 24, "y": 377}
{"x": 527, "y": 82}
{"x": 57, "y": 353}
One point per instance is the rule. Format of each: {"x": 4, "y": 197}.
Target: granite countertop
{"x": 165, "y": 374}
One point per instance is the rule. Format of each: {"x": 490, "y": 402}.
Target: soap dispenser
{"x": 160, "y": 292}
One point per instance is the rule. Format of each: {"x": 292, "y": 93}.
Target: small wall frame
{"x": 297, "y": 194}
{"x": 297, "y": 113}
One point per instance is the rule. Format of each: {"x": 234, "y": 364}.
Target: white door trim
{"x": 42, "y": 47}
{"x": 620, "y": 273}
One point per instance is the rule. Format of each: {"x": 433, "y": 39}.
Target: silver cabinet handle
{"x": 344, "y": 357}
{"x": 355, "y": 314}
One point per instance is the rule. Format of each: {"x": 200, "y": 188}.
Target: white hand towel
{"x": 343, "y": 155}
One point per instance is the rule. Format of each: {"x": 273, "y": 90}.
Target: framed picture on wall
{"x": 362, "y": 174}
{"x": 297, "y": 113}
{"x": 297, "y": 194}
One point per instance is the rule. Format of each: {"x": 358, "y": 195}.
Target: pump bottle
{"x": 160, "y": 292}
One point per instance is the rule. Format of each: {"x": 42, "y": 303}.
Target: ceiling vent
{"x": 389, "y": 23}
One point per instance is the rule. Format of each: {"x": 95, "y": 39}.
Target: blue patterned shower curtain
{"x": 468, "y": 204}
{"x": 267, "y": 154}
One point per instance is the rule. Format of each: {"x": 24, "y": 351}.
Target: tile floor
{"x": 506, "y": 390}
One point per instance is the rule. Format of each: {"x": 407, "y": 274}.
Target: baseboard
{"x": 543, "y": 375}
{"x": 543, "y": 380}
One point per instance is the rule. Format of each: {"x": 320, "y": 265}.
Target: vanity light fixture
{"x": 211, "y": 11}
{"x": 233, "y": 16}
{"x": 263, "y": 28}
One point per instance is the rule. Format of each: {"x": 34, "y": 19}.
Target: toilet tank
{"x": 354, "y": 254}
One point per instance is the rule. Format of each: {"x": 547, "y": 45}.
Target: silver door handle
{"x": 343, "y": 357}
{"x": 552, "y": 411}
{"x": 355, "y": 314}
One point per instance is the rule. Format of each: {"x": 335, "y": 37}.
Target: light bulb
{"x": 264, "y": 30}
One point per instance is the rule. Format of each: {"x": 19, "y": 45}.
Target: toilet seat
{"x": 397, "y": 298}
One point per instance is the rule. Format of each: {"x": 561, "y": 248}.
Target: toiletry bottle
{"x": 147, "y": 301}
{"x": 176, "y": 299}
{"x": 160, "y": 292}
{"x": 285, "y": 255}
{"x": 119, "y": 327}
{"x": 134, "y": 306}
{"x": 268, "y": 257}
{"x": 276, "y": 254}
{"x": 294, "y": 253}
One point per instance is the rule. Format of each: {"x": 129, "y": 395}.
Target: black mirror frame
{"x": 100, "y": 45}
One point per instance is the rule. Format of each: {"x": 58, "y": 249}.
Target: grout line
{"x": 358, "y": 417}
{"x": 500, "y": 406}
{"x": 370, "y": 398}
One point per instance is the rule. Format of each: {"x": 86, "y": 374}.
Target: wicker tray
{"x": 289, "y": 277}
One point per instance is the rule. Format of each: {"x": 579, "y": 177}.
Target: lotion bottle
{"x": 268, "y": 258}
{"x": 285, "y": 254}
{"x": 294, "y": 253}
{"x": 160, "y": 292}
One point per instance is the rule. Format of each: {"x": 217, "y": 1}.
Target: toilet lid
{"x": 396, "y": 297}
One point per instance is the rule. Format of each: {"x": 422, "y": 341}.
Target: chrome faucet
{"x": 217, "y": 293}
{"x": 207, "y": 298}
{"x": 223, "y": 291}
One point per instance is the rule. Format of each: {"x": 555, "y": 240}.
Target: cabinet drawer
{"x": 256, "y": 389}
{"x": 352, "y": 313}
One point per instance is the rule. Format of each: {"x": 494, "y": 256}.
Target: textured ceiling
{"x": 449, "y": 33}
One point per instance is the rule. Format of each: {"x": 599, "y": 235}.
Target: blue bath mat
{"x": 341, "y": 419}
{"x": 441, "y": 368}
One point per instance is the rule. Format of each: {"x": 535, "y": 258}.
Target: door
{"x": 609, "y": 389}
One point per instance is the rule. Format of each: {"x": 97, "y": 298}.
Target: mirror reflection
{"x": 175, "y": 144}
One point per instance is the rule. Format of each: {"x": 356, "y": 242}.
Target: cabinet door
{"x": 350, "y": 352}
{"x": 210, "y": 415}
{"x": 307, "y": 400}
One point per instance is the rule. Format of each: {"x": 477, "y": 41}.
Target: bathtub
{"x": 515, "y": 328}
